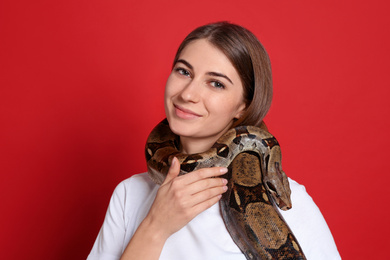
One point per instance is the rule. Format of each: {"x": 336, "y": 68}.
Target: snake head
{"x": 278, "y": 187}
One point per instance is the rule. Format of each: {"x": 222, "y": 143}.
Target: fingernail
{"x": 223, "y": 170}
{"x": 224, "y": 188}
{"x": 173, "y": 161}
{"x": 224, "y": 181}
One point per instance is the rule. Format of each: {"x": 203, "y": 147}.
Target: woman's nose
{"x": 191, "y": 91}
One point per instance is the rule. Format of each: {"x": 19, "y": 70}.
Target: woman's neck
{"x": 190, "y": 145}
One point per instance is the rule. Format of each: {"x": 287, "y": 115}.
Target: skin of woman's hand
{"x": 181, "y": 198}
{"x": 178, "y": 200}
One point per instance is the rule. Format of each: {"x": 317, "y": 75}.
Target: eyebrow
{"x": 211, "y": 73}
{"x": 185, "y": 63}
{"x": 219, "y": 75}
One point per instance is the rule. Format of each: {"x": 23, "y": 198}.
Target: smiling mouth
{"x": 185, "y": 113}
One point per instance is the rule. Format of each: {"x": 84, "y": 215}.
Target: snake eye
{"x": 272, "y": 188}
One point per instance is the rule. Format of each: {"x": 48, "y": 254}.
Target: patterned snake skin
{"x": 256, "y": 184}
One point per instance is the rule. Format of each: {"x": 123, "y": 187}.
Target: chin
{"x": 181, "y": 128}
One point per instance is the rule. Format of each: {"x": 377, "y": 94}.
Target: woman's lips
{"x": 185, "y": 113}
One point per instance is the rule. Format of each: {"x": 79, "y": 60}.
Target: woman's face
{"x": 203, "y": 94}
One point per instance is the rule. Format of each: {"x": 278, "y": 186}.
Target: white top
{"x": 206, "y": 236}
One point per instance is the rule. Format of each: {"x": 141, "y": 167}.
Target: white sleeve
{"x": 309, "y": 226}
{"x": 109, "y": 242}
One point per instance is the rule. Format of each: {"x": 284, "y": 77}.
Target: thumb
{"x": 173, "y": 171}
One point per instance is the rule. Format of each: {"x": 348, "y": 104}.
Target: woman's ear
{"x": 240, "y": 111}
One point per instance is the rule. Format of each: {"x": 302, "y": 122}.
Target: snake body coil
{"x": 256, "y": 183}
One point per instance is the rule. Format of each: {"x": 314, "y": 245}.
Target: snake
{"x": 257, "y": 185}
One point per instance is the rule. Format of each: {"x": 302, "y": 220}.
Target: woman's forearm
{"x": 146, "y": 244}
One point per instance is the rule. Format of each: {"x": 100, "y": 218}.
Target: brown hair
{"x": 248, "y": 57}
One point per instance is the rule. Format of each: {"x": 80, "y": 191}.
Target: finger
{"x": 206, "y": 184}
{"x": 202, "y": 206}
{"x": 173, "y": 171}
{"x": 207, "y": 194}
{"x": 204, "y": 198}
{"x": 205, "y": 173}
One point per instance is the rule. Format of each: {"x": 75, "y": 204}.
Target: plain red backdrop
{"x": 81, "y": 86}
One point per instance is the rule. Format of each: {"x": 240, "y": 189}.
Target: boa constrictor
{"x": 256, "y": 183}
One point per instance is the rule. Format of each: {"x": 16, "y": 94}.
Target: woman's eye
{"x": 217, "y": 84}
{"x": 183, "y": 72}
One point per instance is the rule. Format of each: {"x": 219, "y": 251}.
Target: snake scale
{"x": 256, "y": 186}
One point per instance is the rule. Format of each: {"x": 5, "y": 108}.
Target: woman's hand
{"x": 178, "y": 201}
{"x": 181, "y": 198}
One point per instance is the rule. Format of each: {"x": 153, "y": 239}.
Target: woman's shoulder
{"x": 296, "y": 186}
{"x": 308, "y": 225}
{"x": 298, "y": 191}
{"x": 302, "y": 204}
{"x": 137, "y": 186}
{"x": 142, "y": 179}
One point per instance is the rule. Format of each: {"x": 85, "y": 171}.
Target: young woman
{"x": 221, "y": 78}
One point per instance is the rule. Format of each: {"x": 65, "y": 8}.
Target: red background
{"x": 81, "y": 86}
